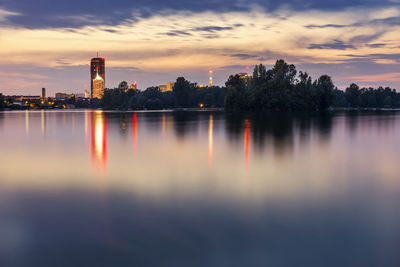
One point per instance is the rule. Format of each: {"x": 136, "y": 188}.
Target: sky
{"x": 47, "y": 43}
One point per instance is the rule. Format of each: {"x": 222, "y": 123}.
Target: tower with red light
{"x": 210, "y": 81}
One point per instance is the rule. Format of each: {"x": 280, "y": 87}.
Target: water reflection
{"x": 204, "y": 189}
{"x": 99, "y": 140}
{"x": 277, "y": 129}
{"x": 27, "y": 122}
{"x": 210, "y": 140}
{"x": 43, "y": 116}
{"x": 134, "y": 132}
{"x": 246, "y": 144}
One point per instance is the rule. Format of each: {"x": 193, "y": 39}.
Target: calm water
{"x": 199, "y": 189}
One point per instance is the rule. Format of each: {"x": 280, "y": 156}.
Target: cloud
{"x": 376, "y": 45}
{"x": 178, "y": 33}
{"x": 212, "y": 29}
{"x": 244, "y": 56}
{"x": 313, "y": 26}
{"x": 78, "y": 13}
{"x": 336, "y": 45}
{"x": 4, "y": 14}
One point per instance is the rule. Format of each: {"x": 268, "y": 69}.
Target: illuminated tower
{"x": 210, "y": 81}
{"x": 98, "y": 86}
{"x": 97, "y": 69}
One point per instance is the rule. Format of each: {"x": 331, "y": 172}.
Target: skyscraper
{"x": 97, "y": 76}
{"x": 43, "y": 93}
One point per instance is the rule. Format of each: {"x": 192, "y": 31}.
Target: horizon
{"x": 50, "y": 44}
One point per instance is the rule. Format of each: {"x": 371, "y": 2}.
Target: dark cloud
{"x": 366, "y": 38}
{"x": 371, "y": 57}
{"x": 212, "y": 29}
{"x": 110, "y": 30}
{"x": 336, "y": 44}
{"x": 244, "y": 56}
{"x": 391, "y": 21}
{"x": 314, "y": 26}
{"x": 78, "y": 13}
{"x": 377, "y": 45}
{"x": 178, "y": 33}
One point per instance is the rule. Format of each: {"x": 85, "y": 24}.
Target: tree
{"x": 123, "y": 86}
{"x": 324, "y": 92}
{"x": 182, "y": 91}
{"x": 2, "y": 105}
{"x": 353, "y": 95}
{"x": 236, "y": 97}
{"x": 280, "y": 85}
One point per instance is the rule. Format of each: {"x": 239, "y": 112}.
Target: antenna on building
{"x": 210, "y": 82}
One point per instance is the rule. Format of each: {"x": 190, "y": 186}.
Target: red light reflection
{"x": 246, "y": 144}
{"x": 134, "y": 131}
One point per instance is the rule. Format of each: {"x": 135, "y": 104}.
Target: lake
{"x": 93, "y": 188}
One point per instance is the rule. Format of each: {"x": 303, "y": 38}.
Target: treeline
{"x": 282, "y": 88}
{"x": 356, "y": 97}
{"x": 279, "y": 88}
{"x": 184, "y": 95}
{"x": 2, "y": 101}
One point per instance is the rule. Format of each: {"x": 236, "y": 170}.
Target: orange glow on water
{"x": 210, "y": 141}
{"x": 99, "y": 141}
{"x": 134, "y": 131}
{"x": 163, "y": 124}
{"x": 246, "y": 144}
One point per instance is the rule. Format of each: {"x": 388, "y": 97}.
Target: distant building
{"x": 43, "y": 93}
{"x": 87, "y": 94}
{"x": 22, "y": 98}
{"x": 170, "y": 86}
{"x": 243, "y": 75}
{"x": 61, "y": 95}
{"x": 166, "y": 88}
{"x": 64, "y": 95}
{"x": 80, "y": 95}
{"x": 97, "y": 77}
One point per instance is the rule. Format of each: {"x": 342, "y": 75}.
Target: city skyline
{"x": 158, "y": 41}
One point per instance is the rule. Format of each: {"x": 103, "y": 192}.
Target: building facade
{"x": 97, "y": 77}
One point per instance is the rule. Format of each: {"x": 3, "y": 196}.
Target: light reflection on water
{"x": 93, "y": 188}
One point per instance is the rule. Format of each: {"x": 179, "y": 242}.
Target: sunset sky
{"x": 47, "y": 43}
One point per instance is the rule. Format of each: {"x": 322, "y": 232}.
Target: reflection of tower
{"x": 210, "y": 140}
{"x": 97, "y": 69}
{"x": 210, "y": 81}
{"x": 99, "y": 140}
